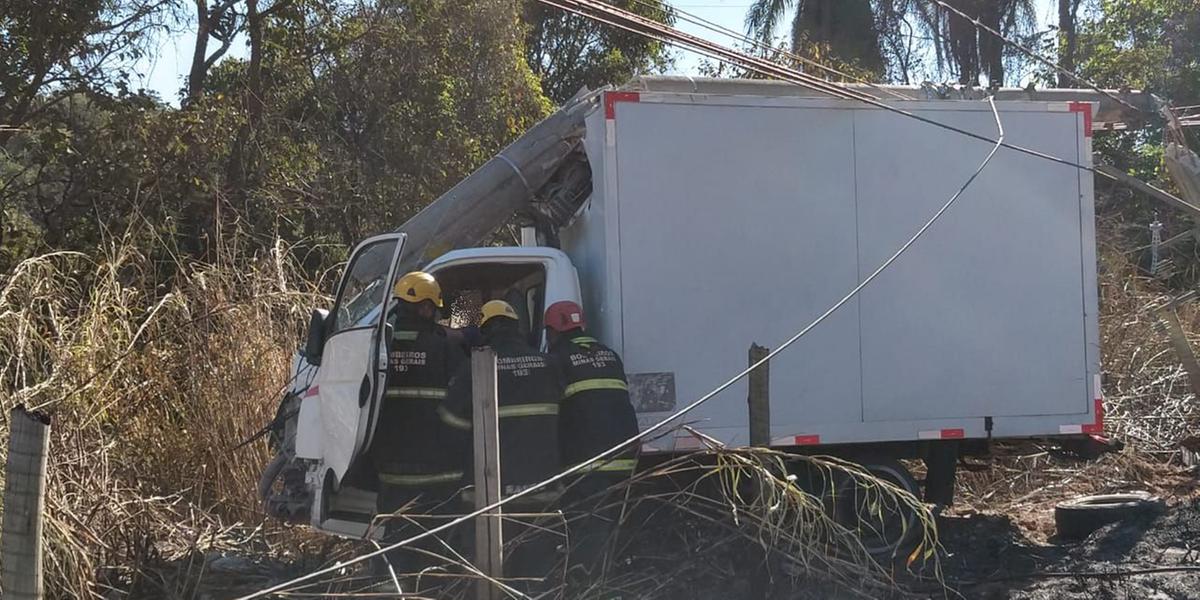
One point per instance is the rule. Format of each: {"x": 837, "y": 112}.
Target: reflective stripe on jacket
{"x": 596, "y": 413}
{"x": 410, "y": 440}
{"x": 530, "y": 392}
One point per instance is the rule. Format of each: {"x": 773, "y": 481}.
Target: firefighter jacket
{"x": 596, "y": 412}
{"x": 529, "y": 390}
{"x": 410, "y": 440}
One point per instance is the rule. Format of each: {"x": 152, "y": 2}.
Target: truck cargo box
{"x": 718, "y": 221}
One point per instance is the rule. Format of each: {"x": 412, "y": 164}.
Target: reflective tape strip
{"x": 594, "y": 384}
{"x": 941, "y": 434}
{"x": 585, "y": 340}
{"x": 405, "y": 336}
{"x": 452, "y": 419}
{"x": 416, "y": 392}
{"x": 540, "y": 497}
{"x": 395, "y": 479}
{"x": 620, "y": 464}
{"x": 797, "y": 440}
{"x": 528, "y": 410}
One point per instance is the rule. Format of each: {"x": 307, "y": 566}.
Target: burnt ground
{"x": 1006, "y": 551}
{"x": 988, "y": 557}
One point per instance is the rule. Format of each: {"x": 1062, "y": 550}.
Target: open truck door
{"x": 353, "y": 363}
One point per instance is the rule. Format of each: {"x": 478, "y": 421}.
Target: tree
{"x": 1068, "y": 39}
{"x": 1151, "y": 45}
{"x": 969, "y": 50}
{"x": 370, "y": 112}
{"x": 846, "y": 28}
{"x": 343, "y": 121}
{"x": 66, "y": 47}
{"x": 568, "y": 52}
{"x": 220, "y": 22}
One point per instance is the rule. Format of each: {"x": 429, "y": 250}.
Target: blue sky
{"x": 166, "y": 69}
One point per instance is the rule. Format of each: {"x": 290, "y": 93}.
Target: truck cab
{"x": 340, "y": 376}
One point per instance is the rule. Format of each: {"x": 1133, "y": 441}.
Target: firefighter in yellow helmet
{"x": 414, "y": 467}
{"x": 529, "y": 390}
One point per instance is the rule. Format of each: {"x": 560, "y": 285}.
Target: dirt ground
{"x": 998, "y": 543}
{"x": 988, "y": 556}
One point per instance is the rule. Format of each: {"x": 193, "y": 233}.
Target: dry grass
{"x": 1148, "y": 403}
{"x": 715, "y": 524}
{"x": 152, "y": 381}
{"x": 150, "y": 384}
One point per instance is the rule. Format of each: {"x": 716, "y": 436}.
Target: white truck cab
{"x": 340, "y": 376}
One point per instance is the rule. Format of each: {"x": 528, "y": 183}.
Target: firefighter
{"x": 416, "y": 476}
{"x": 529, "y": 389}
{"x": 596, "y": 415}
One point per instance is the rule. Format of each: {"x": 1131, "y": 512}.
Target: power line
{"x": 721, "y": 29}
{"x": 1034, "y": 55}
{"x": 608, "y": 454}
{"x": 628, "y": 21}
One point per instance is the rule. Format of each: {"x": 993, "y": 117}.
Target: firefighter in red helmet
{"x": 595, "y": 415}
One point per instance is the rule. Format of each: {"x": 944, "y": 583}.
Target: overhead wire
{"x": 739, "y": 36}
{"x": 1038, "y": 57}
{"x": 608, "y": 454}
{"x": 629, "y": 21}
{"x": 670, "y": 35}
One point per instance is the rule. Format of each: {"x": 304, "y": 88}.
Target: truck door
{"x": 354, "y": 358}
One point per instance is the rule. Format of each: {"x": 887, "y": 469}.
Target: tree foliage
{"x": 842, "y": 31}
{"x": 568, "y": 52}
{"x": 342, "y": 122}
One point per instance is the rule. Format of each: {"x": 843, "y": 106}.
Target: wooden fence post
{"x": 24, "y": 499}
{"x": 759, "y": 398}
{"x": 489, "y": 543}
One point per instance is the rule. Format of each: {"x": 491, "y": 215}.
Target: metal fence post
{"x": 759, "y": 398}
{"x": 24, "y": 499}
{"x": 489, "y": 542}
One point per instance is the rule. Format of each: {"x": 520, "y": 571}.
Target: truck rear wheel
{"x": 884, "y": 526}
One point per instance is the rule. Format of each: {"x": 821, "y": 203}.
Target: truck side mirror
{"x": 316, "y": 336}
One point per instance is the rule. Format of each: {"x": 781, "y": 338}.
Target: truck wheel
{"x": 1076, "y": 518}
{"x": 883, "y": 528}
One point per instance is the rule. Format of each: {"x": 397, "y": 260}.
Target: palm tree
{"x": 969, "y": 50}
{"x": 852, "y": 28}
{"x": 845, "y": 27}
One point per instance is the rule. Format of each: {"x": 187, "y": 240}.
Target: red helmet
{"x": 564, "y": 316}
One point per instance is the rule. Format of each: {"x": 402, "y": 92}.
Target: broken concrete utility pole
{"x": 469, "y": 211}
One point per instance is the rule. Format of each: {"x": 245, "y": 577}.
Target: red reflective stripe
{"x": 1098, "y": 426}
{"x": 313, "y": 391}
{"x": 612, "y": 98}
{"x": 1086, "y": 109}
{"x": 806, "y": 440}
{"x": 953, "y": 434}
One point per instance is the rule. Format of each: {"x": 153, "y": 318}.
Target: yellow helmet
{"x": 496, "y": 308}
{"x": 418, "y": 286}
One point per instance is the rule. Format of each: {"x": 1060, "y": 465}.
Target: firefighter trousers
{"x": 410, "y": 510}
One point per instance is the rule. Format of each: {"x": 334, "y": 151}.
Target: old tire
{"x": 1079, "y": 517}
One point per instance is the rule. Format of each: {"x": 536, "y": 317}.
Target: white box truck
{"x": 714, "y": 220}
